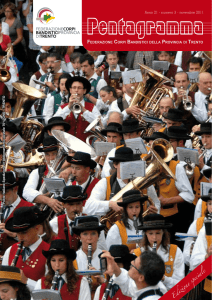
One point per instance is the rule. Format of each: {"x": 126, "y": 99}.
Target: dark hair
{"x": 62, "y": 50}
{"x": 109, "y": 89}
{"x": 55, "y": 54}
{"x": 42, "y": 57}
{"x": 63, "y": 76}
{"x": 75, "y": 55}
{"x": 112, "y": 52}
{"x": 171, "y": 53}
{"x": 71, "y": 275}
{"x": 87, "y": 57}
{"x": 152, "y": 267}
{"x": 22, "y": 292}
{"x": 12, "y": 7}
{"x": 49, "y": 232}
{"x": 165, "y": 240}
{"x": 125, "y": 217}
{"x": 181, "y": 72}
{"x": 195, "y": 60}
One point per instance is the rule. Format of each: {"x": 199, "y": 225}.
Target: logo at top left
{"x": 45, "y": 15}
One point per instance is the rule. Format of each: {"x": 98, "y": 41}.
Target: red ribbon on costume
{"x": 190, "y": 281}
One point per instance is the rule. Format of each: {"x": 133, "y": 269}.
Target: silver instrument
{"x": 89, "y": 257}
{"x": 135, "y": 223}
{"x": 108, "y": 288}
{"x": 154, "y": 247}
{"x": 55, "y": 280}
{"x": 189, "y": 167}
{"x": 187, "y": 104}
{"x": 95, "y": 128}
{"x": 76, "y": 107}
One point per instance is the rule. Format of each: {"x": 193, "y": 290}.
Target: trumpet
{"x": 203, "y": 151}
{"x": 187, "y": 103}
{"x": 189, "y": 167}
{"x": 76, "y": 107}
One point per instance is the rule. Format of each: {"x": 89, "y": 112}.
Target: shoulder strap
{"x": 41, "y": 171}
{"x": 150, "y": 293}
{"x": 120, "y": 104}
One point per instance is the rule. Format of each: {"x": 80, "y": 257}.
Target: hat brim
{"x": 105, "y": 131}
{"x": 182, "y": 137}
{"x": 84, "y": 81}
{"x": 151, "y": 227}
{"x": 125, "y": 203}
{"x": 127, "y": 258}
{"x": 77, "y": 230}
{"x": 42, "y": 149}
{"x": 7, "y": 187}
{"x": 90, "y": 163}
{"x": 200, "y": 132}
{"x": 206, "y": 197}
{"x": 10, "y": 225}
{"x": 132, "y": 130}
{"x": 13, "y": 280}
{"x": 207, "y": 173}
{"x": 70, "y": 253}
{"x": 123, "y": 158}
{"x": 72, "y": 199}
{"x": 65, "y": 124}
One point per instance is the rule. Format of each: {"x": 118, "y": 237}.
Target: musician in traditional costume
{"x": 11, "y": 285}
{"x": 132, "y": 202}
{"x": 72, "y": 200}
{"x": 10, "y": 202}
{"x": 195, "y": 227}
{"x": 60, "y": 258}
{"x": 55, "y": 123}
{"x": 25, "y": 223}
{"x": 123, "y": 258}
{"x": 31, "y": 190}
{"x": 9, "y": 104}
{"x": 206, "y": 134}
{"x": 78, "y": 87}
{"x": 154, "y": 228}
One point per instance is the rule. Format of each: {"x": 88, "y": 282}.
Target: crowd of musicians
{"x": 60, "y": 238}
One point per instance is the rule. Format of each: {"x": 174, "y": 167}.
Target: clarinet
{"x": 14, "y": 262}
{"x": 108, "y": 288}
{"x": 135, "y": 223}
{"x": 154, "y": 247}
{"x": 89, "y": 257}
{"x": 54, "y": 280}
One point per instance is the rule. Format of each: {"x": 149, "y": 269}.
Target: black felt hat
{"x": 156, "y": 135}
{"x": 121, "y": 253}
{"x": 87, "y": 223}
{"x": 178, "y": 133}
{"x": 84, "y": 81}
{"x": 82, "y": 158}
{"x": 204, "y": 128}
{"x": 11, "y": 127}
{"x": 11, "y": 101}
{"x": 49, "y": 144}
{"x": 132, "y": 196}
{"x": 131, "y": 125}
{"x": 72, "y": 193}
{"x": 2, "y": 52}
{"x": 57, "y": 121}
{"x": 123, "y": 154}
{"x": 9, "y": 180}
{"x": 174, "y": 114}
{"x": 205, "y": 198}
{"x": 9, "y": 273}
{"x": 112, "y": 127}
{"x": 154, "y": 221}
{"x": 25, "y": 218}
{"x": 207, "y": 172}
{"x": 60, "y": 247}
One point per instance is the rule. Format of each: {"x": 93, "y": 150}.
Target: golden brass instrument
{"x": 206, "y": 64}
{"x": 35, "y": 159}
{"x": 161, "y": 152}
{"x": 95, "y": 127}
{"x": 4, "y": 73}
{"x": 196, "y": 143}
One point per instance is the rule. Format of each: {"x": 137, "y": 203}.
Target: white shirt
{"x": 31, "y": 82}
{"x": 114, "y": 237}
{"x": 88, "y": 115}
{"x": 178, "y": 267}
{"x": 14, "y": 205}
{"x": 5, "y": 261}
{"x": 114, "y": 107}
{"x": 199, "y": 110}
{"x": 200, "y": 250}
{"x": 82, "y": 260}
{"x": 48, "y": 109}
{"x": 198, "y": 209}
{"x": 29, "y": 191}
{"x": 101, "y": 244}
{"x": 178, "y": 58}
{"x": 101, "y": 83}
{"x": 129, "y": 288}
{"x": 84, "y": 292}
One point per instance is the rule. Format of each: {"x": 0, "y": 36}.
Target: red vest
{"x": 34, "y": 266}
{"x": 118, "y": 294}
{"x": 78, "y": 125}
{"x": 89, "y": 189}
{"x": 186, "y": 55}
{"x": 5, "y": 240}
{"x": 171, "y": 72}
{"x": 65, "y": 294}
{"x": 73, "y": 240}
{"x": 37, "y": 74}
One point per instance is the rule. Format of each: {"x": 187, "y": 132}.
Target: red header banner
{"x": 145, "y": 25}
{"x": 190, "y": 281}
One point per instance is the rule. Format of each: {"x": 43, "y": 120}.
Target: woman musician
{"x": 60, "y": 258}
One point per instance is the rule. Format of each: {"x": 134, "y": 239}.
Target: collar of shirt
{"x": 139, "y": 292}
{"x": 34, "y": 246}
{"x": 132, "y": 224}
{"x": 61, "y": 94}
{"x": 85, "y": 183}
{"x": 208, "y": 153}
{"x": 64, "y": 277}
{"x": 15, "y": 203}
{"x": 121, "y": 183}
{"x": 127, "y": 98}
{"x": 42, "y": 72}
{"x": 94, "y": 76}
{"x": 201, "y": 96}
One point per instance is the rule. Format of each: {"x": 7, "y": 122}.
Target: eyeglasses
{"x": 53, "y": 62}
{"x": 77, "y": 88}
{"x": 8, "y": 11}
{"x": 139, "y": 271}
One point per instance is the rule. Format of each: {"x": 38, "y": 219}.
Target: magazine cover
{"x": 106, "y": 150}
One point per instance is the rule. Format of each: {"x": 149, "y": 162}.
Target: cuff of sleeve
{"x": 185, "y": 197}
{"x": 125, "y": 115}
